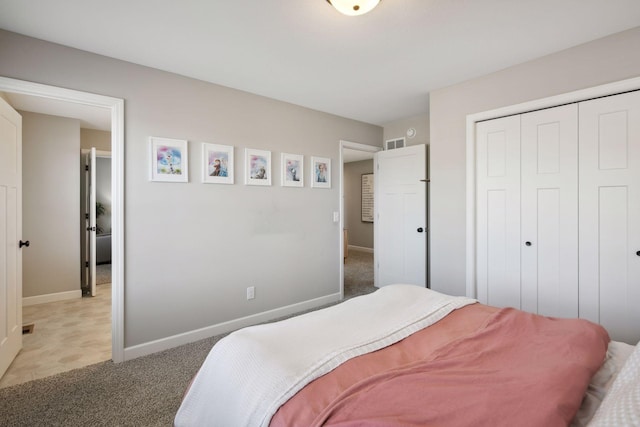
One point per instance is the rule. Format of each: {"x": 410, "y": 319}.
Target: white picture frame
{"x": 320, "y": 172}
{"x": 217, "y": 164}
{"x": 257, "y": 167}
{"x": 292, "y": 169}
{"x": 168, "y": 160}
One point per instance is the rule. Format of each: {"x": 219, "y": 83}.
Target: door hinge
{"x": 86, "y": 264}
{"x": 86, "y": 167}
{"x": 86, "y": 216}
{"x": 91, "y": 229}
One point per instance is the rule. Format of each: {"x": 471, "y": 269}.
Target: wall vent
{"x": 391, "y": 144}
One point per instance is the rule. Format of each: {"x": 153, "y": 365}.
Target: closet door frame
{"x": 472, "y": 119}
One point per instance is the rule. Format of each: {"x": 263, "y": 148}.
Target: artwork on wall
{"x": 320, "y": 172}
{"x": 292, "y": 170}
{"x": 257, "y": 170}
{"x": 217, "y": 164}
{"x": 366, "y": 206}
{"x": 169, "y": 160}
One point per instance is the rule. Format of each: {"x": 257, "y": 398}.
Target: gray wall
{"x": 398, "y": 129}
{"x": 602, "y": 61}
{"x": 50, "y": 201}
{"x": 360, "y": 233}
{"x": 191, "y": 250}
{"x": 99, "y": 139}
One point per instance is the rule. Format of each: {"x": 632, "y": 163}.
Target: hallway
{"x": 66, "y": 335}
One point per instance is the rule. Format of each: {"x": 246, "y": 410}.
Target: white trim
{"x": 472, "y": 119}
{"x": 116, "y": 106}
{"x": 58, "y": 296}
{"x": 222, "y": 328}
{"x": 99, "y": 153}
{"x": 352, "y": 146}
{"x": 360, "y": 248}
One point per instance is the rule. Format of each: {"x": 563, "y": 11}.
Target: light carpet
{"x": 142, "y": 392}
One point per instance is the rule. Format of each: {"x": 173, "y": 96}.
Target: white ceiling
{"x": 90, "y": 117}
{"x": 376, "y": 68}
{"x": 349, "y": 155}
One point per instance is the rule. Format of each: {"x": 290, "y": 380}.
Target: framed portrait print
{"x": 366, "y": 204}
{"x": 257, "y": 168}
{"x": 217, "y": 164}
{"x": 292, "y": 170}
{"x": 320, "y": 172}
{"x": 169, "y": 160}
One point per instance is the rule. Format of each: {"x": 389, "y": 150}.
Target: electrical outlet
{"x": 251, "y": 292}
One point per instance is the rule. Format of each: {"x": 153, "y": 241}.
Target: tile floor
{"x": 67, "y": 335}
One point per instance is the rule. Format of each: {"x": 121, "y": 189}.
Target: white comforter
{"x": 249, "y": 374}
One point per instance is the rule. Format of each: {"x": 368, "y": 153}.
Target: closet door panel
{"x": 498, "y": 211}
{"x": 549, "y": 149}
{"x": 610, "y": 214}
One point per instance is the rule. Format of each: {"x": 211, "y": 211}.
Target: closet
{"x": 558, "y": 212}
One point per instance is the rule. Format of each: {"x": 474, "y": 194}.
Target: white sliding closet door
{"x": 610, "y": 214}
{"x": 498, "y": 211}
{"x": 549, "y": 191}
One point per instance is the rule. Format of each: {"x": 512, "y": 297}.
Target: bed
{"x": 409, "y": 356}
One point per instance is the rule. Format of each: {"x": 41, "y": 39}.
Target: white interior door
{"x": 549, "y": 190}
{"x": 610, "y": 214}
{"x": 10, "y": 233}
{"x": 400, "y": 227}
{"x": 92, "y": 220}
{"x": 498, "y": 212}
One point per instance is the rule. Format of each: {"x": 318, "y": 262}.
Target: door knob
{"x": 527, "y": 243}
{"x": 638, "y": 253}
{"x": 420, "y": 230}
{"x": 21, "y": 244}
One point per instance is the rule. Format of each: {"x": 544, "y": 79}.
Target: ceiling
{"x": 375, "y": 68}
{"x": 350, "y": 156}
{"x": 90, "y": 117}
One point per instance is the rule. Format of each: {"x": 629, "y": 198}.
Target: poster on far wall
{"x": 367, "y": 197}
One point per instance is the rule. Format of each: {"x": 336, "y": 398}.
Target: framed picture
{"x": 292, "y": 170}
{"x": 366, "y": 206}
{"x": 169, "y": 160}
{"x": 320, "y": 172}
{"x": 257, "y": 170}
{"x": 217, "y": 164}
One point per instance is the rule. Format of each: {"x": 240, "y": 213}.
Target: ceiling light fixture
{"x": 354, "y": 7}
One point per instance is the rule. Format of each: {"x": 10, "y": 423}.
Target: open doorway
{"x": 95, "y": 211}
{"x": 50, "y": 103}
{"x": 357, "y": 219}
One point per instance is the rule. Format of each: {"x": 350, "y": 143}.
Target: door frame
{"x": 102, "y": 154}
{"x": 525, "y": 107}
{"x": 358, "y": 147}
{"x": 116, "y": 107}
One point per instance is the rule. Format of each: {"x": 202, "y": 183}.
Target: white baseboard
{"x": 360, "y": 248}
{"x": 222, "y": 328}
{"x": 59, "y": 296}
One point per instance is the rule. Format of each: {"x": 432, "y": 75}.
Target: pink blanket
{"x": 512, "y": 368}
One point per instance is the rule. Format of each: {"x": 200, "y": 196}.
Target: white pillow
{"x": 621, "y": 405}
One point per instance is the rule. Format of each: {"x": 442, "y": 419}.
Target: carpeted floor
{"x": 358, "y": 273}
{"x": 142, "y": 392}
{"x": 103, "y": 274}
